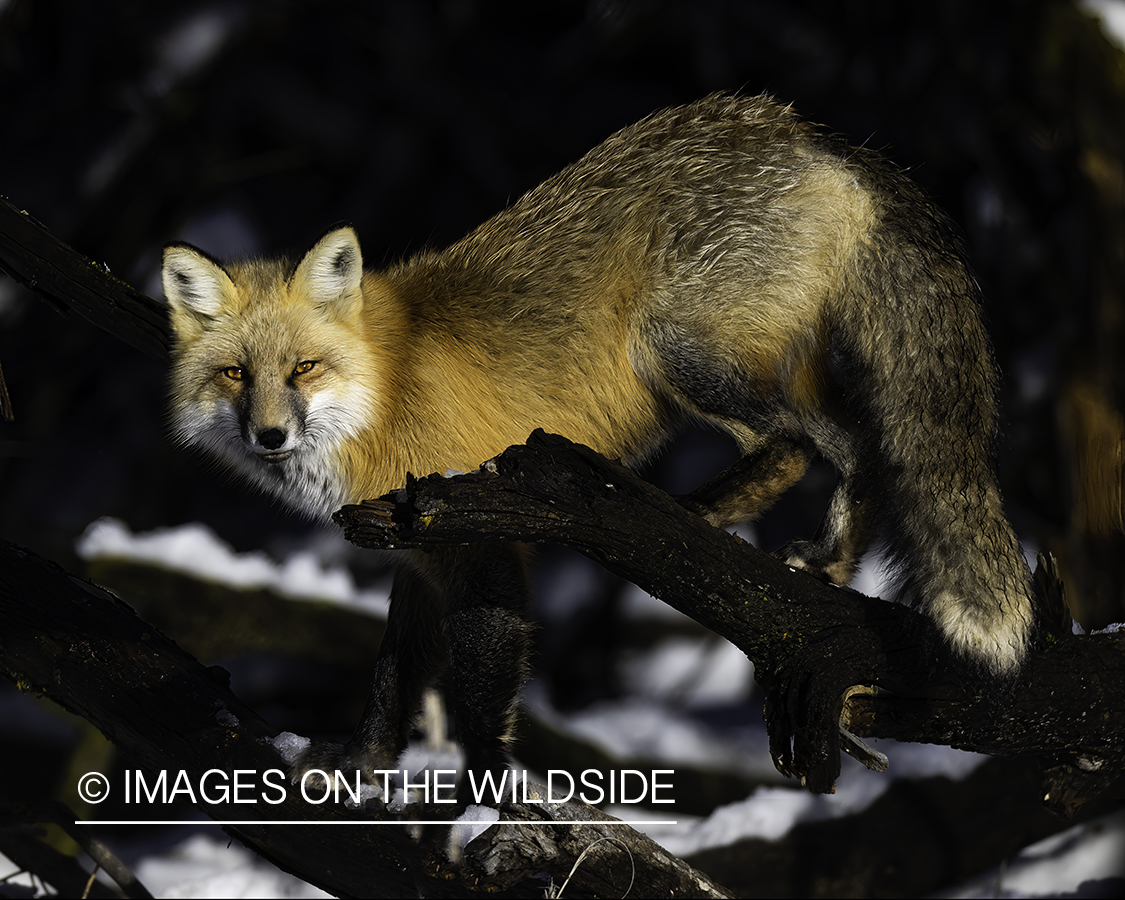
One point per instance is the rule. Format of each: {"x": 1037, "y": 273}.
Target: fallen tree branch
{"x": 810, "y": 642}
{"x": 73, "y": 642}
{"x": 69, "y": 281}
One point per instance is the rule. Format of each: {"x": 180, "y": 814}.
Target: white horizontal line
{"x": 362, "y": 822}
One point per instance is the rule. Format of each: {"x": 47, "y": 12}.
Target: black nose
{"x": 271, "y": 438}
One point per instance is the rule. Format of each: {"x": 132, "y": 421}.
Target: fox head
{"x": 271, "y": 372}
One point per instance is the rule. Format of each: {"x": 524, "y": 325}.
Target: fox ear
{"x": 196, "y": 286}
{"x": 331, "y": 272}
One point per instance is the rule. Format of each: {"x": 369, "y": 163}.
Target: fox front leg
{"x": 489, "y": 641}
{"x": 458, "y": 616}
{"x": 411, "y": 656}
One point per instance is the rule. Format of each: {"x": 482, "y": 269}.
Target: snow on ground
{"x": 1112, "y": 15}
{"x": 203, "y": 866}
{"x": 690, "y": 672}
{"x": 196, "y": 550}
{"x": 211, "y": 865}
{"x": 771, "y": 811}
{"x": 1087, "y": 860}
{"x": 471, "y": 824}
{"x": 646, "y": 729}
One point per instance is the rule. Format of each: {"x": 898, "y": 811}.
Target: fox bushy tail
{"x": 916, "y": 337}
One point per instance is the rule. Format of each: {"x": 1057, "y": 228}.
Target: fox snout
{"x": 268, "y": 442}
{"x": 272, "y": 421}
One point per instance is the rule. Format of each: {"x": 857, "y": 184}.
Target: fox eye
{"x": 234, "y": 373}
{"x": 302, "y": 367}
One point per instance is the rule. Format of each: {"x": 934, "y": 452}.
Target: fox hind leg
{"x": 845, "y": 534}
{"x": 850, "y": 523}
{"x": 751, "y": 485}
{"x": 773, "y": 464}
{"x": 777, "y": 445}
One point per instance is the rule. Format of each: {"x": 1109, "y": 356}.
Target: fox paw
{"x": 811, "y": 557}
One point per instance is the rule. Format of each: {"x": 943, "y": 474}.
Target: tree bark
{"x": 824, "y": 655}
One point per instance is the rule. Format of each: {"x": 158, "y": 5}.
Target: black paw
{"x": 804, "y": 699}
{"x": 811, "y": 557}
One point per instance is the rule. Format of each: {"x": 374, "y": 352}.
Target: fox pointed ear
{"x": 331, "y": 272}
{"x": 196, "y": 286}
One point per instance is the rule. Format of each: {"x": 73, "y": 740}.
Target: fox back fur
{"x": 722, "y": 261}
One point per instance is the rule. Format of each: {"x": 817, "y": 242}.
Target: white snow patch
{"x": 873, "y": 577}
{"x": 771, "y": 812}
{"x": 474, "y": 821}
{"x": 12, "y": 874}
{"x": 921, "y": 760}
{"x": 691, "y": 672}
{"x": 196, "y": 550}
{"x": 648, "y": 730}
{"x": 744, "y": 530}
{"x": 1068, "y": 864}
{"x": 289, "y": 746}
{"x": 366, "y": 792}
{"x": 205, "y": 867}
{"x": 1112, "y": 15}
{"x": 639, "y": 604}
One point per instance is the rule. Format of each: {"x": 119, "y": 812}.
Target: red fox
{"x": 722, "y": 261}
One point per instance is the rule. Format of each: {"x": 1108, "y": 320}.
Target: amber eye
{"x": 302, "y": 367}
{"x": 234, "y": 373}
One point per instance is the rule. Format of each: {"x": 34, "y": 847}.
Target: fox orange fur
{"x": 722, "y": 261}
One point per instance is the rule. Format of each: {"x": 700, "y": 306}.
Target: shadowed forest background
{"x": 249, "y": 128}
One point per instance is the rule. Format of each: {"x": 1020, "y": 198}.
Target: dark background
{"x": 250, "y": 127}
